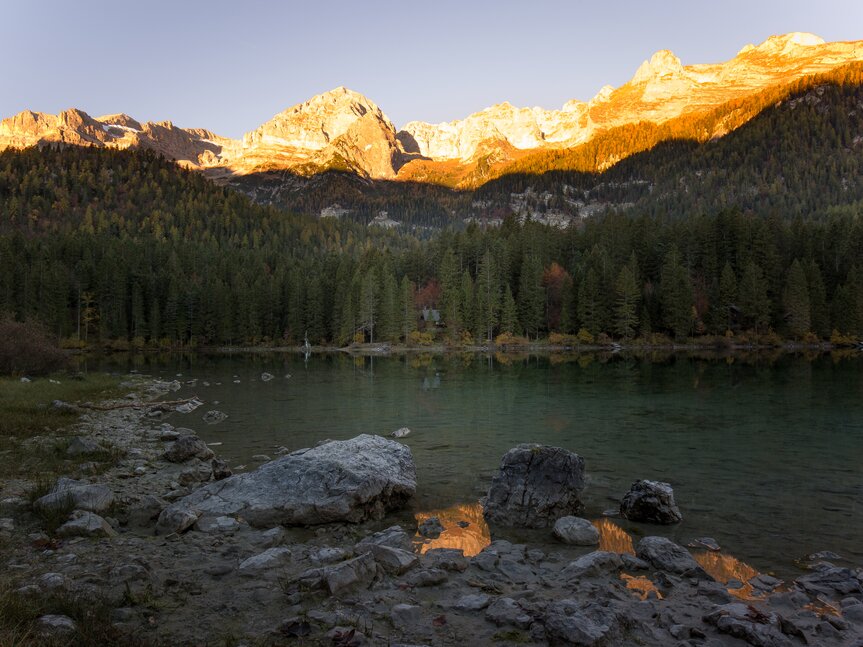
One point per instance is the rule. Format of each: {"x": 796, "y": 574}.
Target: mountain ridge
{"x": 345, "y": 131}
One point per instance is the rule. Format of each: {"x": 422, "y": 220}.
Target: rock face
{"x": 576, "y": 531}
{"x": 535, "y": 486}
{"x": 351, "y": 480}
{"x": 650, "y": 501}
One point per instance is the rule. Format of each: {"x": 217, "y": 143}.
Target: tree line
{"x": 108, "y": 246}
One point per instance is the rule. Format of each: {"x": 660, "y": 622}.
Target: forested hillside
{"x": 126, "y": 248}
{"x": 793, "y": 150}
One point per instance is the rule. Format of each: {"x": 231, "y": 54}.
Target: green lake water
{"x": 766, "y": 456}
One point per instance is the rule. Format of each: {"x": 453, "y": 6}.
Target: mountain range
{"x": 342, "y": 130}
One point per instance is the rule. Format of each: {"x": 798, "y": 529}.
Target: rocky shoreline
{"x": 169, "y": 541}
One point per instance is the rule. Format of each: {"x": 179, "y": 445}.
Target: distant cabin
{"x": 431, "y": 315}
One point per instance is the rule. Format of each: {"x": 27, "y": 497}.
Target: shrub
{"x": 417, "y": 338}
{"x": 26, "y": 348}
{"x": 584, "y": 336}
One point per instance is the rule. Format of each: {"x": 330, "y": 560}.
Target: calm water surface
{"x": 765, "y": 456}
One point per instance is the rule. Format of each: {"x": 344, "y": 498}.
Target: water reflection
{"x": 725, "y": 569}
{"x": 613, "y": 538}
{"x": 464, "y": 529}
{"x": 641, "y": 585}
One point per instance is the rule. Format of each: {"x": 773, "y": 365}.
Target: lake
{"x": 764, "y": 453}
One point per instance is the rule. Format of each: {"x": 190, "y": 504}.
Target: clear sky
{"x": 231, "y": 65}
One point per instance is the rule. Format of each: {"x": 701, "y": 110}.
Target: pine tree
{"x": 487, "y": 290}
{"x": 590, "y": 310}
{"x": 531, "y": 295}
{"x": 450, "y": 281}
{"x": 468, "y": 302}
{"x": 407, "y": 308}
{"x": 726, "y": 300}
{"x": 676, "y": 295}
{"x": 508, "y": 313}
{"x": 369, "y": 303}
{"x": 818, "y": 310}
{"x": 628, "y": 298}
{"x": 795, "y": 299}
{"x": 753, "y": 298}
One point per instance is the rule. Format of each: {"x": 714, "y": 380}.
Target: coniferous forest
{"x": 126, "y": 249}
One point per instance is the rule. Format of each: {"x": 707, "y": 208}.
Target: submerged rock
{"x": 431, "y": 528}
{"x": 576, "y": 531}
{"x": 535, "y": 486}
{"x": 401, "y": 432}
{"x": 650, "y": 501}
{"x": 350, "y": 480}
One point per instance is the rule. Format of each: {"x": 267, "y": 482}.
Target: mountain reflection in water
{"x": 470, "y": 538}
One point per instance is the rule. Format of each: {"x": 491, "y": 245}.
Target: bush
{"x": 584, "y": 336}
{"x": 417, "y": 338}
{"x": 26, "y": 348}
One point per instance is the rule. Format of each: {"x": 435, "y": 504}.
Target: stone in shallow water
{"x": 652, "y": 502}
{"x": 431, "y": 528}
{"x": 576, "y": 531}
{"x": 664, "y": 554}
{"x": 535, "y": 486}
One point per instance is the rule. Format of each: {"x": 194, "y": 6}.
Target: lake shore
{"x": 222, "y": 581}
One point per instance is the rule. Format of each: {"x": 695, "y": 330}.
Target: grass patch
{"x": 26, "y": 412}
{"x": 19, "y": 614}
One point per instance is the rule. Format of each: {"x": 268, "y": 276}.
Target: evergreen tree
{"x": 676, "y": 295}
{"x": 628, "y": 298}
{"x": 753, "y": 298}
{"x": 727, "y": 299}
{"x": 508, "y": 313}
{"x": 531, "y": 295}
{"x": 487, "y": 290}
{"x": 407, "y": 308}
{"x": 795, "y": 299}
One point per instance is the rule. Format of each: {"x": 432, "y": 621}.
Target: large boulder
{"x": 349, "y": 480}
{"x": 535, "y": 486}
{"x": 650, "y": 501}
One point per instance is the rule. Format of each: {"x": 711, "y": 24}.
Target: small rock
{"x": 209, "y": 524}
{"x": 176, "y": 520}
{"x": 472, "y": 602}
{"x": 187, "y": 447}
{"x": 7, "y": 524}
{"x": 394, "y": 560}
{"x": 405, "y": 616}
{"x": 329, "y": 555}
{"x": 86, "y": 524}
{"x": 576, "y": 531}
{"x": 52, "y": 581}
{"x": 427, "y": 577}
{"x": 266, "y": 377}
{"x": 652, "y": 502}
{"x": 401, "y": 433}
{"x": 270, "y": 538}
{"x": 261, "y": 458}
{"x": 506, "y": 611}
{"x": 271, "y": 558}
{"x": 431, "y": 528}
{"x": 80, "y": 445}
{"x": 599, "y": 562}
{"x": 449, "y": 559}
{"x": 56, "y": 625}
{"x": 220, "y": 469}
{"x": 214, "y": 416}
{"x": 664, "y": 554}
{"x": 394, "y": 536}
{"x": 708, "y": 543}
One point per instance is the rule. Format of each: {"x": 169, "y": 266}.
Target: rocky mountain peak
{"x": 662, "y": 63}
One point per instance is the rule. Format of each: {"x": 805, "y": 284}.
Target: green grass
{"x": 25, "y": 412}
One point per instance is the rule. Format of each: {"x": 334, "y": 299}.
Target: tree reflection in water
{"x": 470, "y": 538}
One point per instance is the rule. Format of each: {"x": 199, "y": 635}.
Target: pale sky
{"x": 231, "y": 65}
